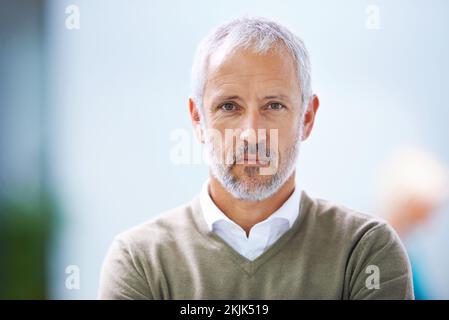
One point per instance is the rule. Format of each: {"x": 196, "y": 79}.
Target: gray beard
{"x": 253, "y": 189}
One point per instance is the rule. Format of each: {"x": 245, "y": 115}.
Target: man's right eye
{"x": 228, "y": 107}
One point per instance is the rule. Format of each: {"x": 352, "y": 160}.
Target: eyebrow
{"x": 280, "y": 96}
{"x": 229, "y": 98}
{"x": 236, "y": 97}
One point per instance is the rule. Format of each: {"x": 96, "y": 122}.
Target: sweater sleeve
{"x": 379, "y": 267}
{"x": 121, "y": 277}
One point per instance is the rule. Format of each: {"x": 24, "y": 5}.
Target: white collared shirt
{"x": 262, "y": 235}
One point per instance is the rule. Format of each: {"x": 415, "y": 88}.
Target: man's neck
{"x": 248, "y": 213}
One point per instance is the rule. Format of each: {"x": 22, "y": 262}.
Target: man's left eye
{"x": 275, "y": 106}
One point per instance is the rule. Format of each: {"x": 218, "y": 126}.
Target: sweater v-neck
{"x": 249, "y": 266}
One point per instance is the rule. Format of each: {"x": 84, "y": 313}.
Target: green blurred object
{"x": 25, "y": 231}
{"x": 26, "y": 209}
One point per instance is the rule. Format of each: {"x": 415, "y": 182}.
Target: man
{"x": 251, "y": 233}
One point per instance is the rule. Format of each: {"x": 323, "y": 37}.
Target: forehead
{"x": 243, "y": 67}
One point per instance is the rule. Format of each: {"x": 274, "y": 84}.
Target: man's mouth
{"x": 253, "y": 161}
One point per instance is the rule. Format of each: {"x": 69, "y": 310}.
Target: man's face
{"x": 246, "y": 92}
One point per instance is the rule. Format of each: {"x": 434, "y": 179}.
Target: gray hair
{"x": 259, "y": 34}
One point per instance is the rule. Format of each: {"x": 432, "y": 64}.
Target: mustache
{"x": 252, "y": 152}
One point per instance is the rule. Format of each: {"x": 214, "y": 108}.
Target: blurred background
{"x": 93, "y": 109}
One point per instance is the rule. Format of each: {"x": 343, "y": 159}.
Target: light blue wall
{"x": 119, "y": 87}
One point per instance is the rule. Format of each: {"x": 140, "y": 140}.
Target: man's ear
{"x": 309, "y": 117}
{"x": 196, "y": 120}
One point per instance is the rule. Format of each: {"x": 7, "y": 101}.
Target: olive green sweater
{"x": 330, "y": 252}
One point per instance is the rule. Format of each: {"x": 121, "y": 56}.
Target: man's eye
{"x": 228, "y": 107}
{"x": 275, "y": 106}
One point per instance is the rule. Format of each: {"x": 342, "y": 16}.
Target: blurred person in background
{"x": 413, "y": 185}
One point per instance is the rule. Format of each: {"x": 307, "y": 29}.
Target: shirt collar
{"x": 288, "y": 211}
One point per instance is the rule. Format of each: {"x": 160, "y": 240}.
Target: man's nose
{"x": 252, "y": 126}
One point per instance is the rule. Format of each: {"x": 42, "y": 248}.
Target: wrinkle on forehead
{"x": 223, "y": 56}
{"x": 245, "y": 68}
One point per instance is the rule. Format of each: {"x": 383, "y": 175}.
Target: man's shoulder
{"x": 338, "y": 220}
{"x": 163, "y": 228}
{"x": 365, "y": 244}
